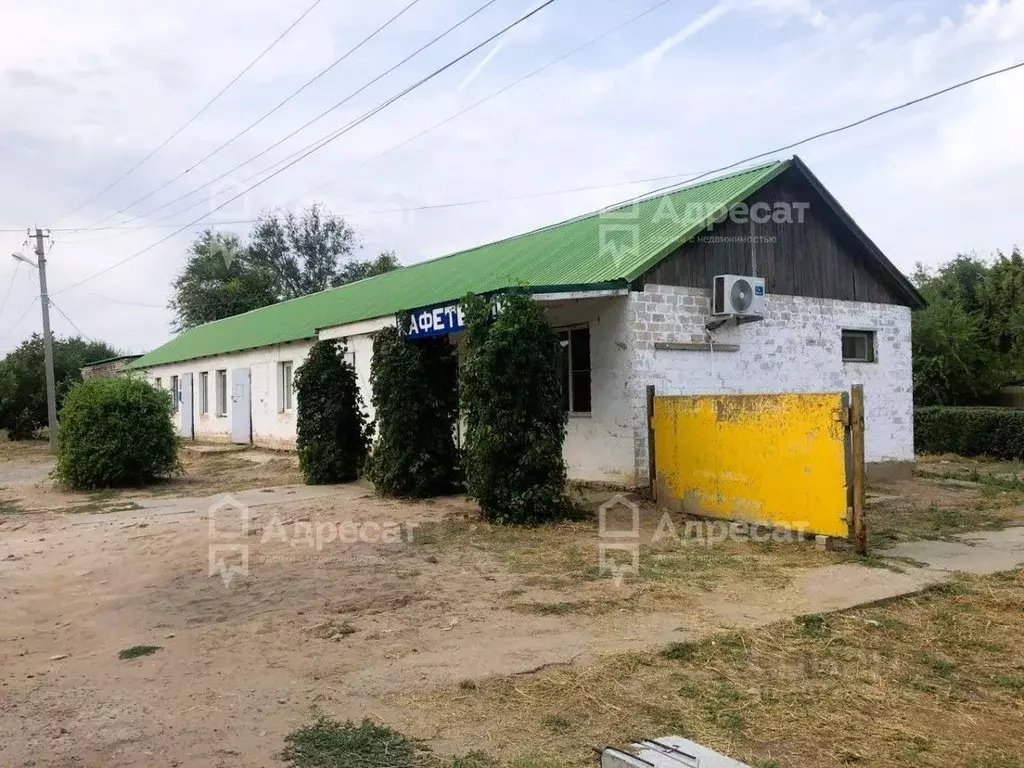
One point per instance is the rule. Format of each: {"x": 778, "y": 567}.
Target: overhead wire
{"x": 73, "y": 325}
{"x": 253, "y": 124}
{"x": 197, "y": 115}
{"x": 300, "y": 129}
{"x": 422, "y": 133}
{"x": 690, "y": 178}
{"x": 366, "y": 116}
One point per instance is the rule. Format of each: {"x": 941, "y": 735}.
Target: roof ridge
{"x": 600, "y": 211}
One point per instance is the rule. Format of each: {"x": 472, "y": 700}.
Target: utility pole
{"x": 44, "y": 299}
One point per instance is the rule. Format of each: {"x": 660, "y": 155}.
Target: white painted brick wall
{"x": 270, "y": 428}
{"x": 796, "y": 348}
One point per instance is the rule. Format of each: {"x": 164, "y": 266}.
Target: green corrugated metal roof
{"x": 611, "y": 247}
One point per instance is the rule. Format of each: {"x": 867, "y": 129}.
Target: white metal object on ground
{"x": 667, "y": 752}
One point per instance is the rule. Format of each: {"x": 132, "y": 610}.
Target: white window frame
{"x": 176, "y": 392}
{"x": 159, "y": 383}
{"x": 204, "y": 392}
{"x": 871, "y": 350}
{"x": 221, "y": 384}
{"x": 566, "y": 344}
{"x": 285, "y": 386}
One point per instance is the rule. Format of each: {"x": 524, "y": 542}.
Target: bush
{"x": 416, "y": 401}
{"x": 515, "y": 423}
{"x": 970, "y": 431}
{"x": 333, "y": 434}
{"x": 116, "y": 433}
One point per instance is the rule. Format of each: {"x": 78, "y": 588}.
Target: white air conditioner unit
{"x": 737, "y": 296}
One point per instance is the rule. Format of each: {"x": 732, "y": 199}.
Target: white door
{"x": 186, "y": 426}
{"x": 241, "y": 406}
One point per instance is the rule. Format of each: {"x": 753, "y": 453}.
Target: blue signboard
{"x": 435, "y": 321}
{"x": 440, "y": 320}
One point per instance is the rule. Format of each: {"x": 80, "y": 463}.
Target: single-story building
{"x": 808, "y": 304}
{"x": 107, "y": 368}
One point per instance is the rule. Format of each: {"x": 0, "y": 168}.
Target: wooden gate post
{"x": 652, "y": 469}
{"x": 859, "y": 532}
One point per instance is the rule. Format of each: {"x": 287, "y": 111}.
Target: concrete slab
{"x": 980, "y": 553}
{"x": 203, "y": 448}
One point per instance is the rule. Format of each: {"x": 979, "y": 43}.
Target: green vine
{"x": 515, "y": 424}
{"x": 415, "y": 396}
{"x": 333, "y": 434}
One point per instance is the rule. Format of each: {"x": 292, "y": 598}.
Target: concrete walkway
{"x": 980, "y": 553}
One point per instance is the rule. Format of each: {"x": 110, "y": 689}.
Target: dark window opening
{"x": 574, "y": 350}
{"x": 858, "y": 346}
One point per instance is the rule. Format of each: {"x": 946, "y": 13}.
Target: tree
{"x": 515, "y": 423}
{"x": 286, "y": 256}
{"x": 219, "y": 280}
{"x": 416, "y": 400}
{"x": 304, "y": 252}
{"x": 116, "y": 433}
{"x": 969, "y": 340}
{"x": 23, "y": 380}
{"x": 332, "y": 432}
{"x": 360, "y": 270}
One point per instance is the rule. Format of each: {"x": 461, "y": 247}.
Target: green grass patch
{"x": 138, "y": 650}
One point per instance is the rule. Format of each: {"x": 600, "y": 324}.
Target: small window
{"x": 858, "y": 346}
{"x": 222, "y": 393}
{"x": 175, "y": 393}
{"x": 284, "y": 386}
{"x": 574, "y": 347}
{"x": 159, "y": 383}
{"x": 204, "y": 392}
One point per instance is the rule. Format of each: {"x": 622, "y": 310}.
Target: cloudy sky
{"x": 89, "y": 89}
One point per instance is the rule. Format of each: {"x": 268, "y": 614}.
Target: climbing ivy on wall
{"x": 515, "y": 424}
{"x": 416, "y": 401}
{"x": 333, "y": 433}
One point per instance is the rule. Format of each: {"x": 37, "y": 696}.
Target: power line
{"x": 303, "y": 127}
{"x": 65, "y": 316}
{"x": 589, "y": 188}
{"x": 689, "y": 180}
{"x": 252, "y": 125}
{"x": 512, "y": 85}
{"x": 422, "y": 133}
{"x": 449, "y": 119}
{"x": 820, "y": 135}
{"x": 366, "y": 116}
{"x": 196, "y": 116}
{"x": 21, "y": 317}
{"x": 10, "y": 286}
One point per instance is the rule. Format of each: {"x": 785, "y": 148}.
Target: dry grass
{"x": 562, "y": 561}
{"x": 930, "y": 680}
{"x": 947, "y": 495}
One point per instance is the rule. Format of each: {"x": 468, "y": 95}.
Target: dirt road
{"x": 326, "y": 619}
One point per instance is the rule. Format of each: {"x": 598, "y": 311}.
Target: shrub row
{"x": 970, "y": 431}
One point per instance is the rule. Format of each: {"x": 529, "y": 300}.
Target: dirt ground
{"x": 403, "y": 601}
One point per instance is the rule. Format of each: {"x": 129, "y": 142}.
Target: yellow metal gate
{"x": 785, "y": 460}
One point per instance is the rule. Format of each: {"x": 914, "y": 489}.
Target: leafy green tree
{"x": 307, "y": 253}
{"x": 116, "y": 433}
{"x": 515, "y": 423}
{"x": 23, "y": 380}
{"x": 219, "y": 280}
{"x": 333, "y": 434}
{"x": 416, "y": 400}
{"x": 360, "y": 270}
{"x": 286, "y": 256}
{"x": 969, "y": 340}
